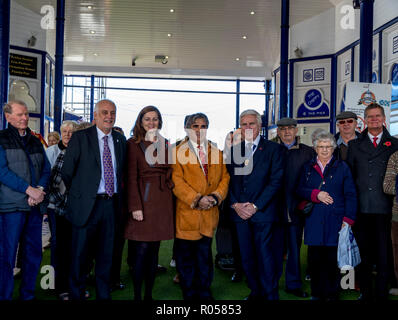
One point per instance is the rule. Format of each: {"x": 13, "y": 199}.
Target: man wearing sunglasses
{"x": 346, "y": 123}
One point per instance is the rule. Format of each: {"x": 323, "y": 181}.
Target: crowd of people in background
{"x": 98, "y": 189}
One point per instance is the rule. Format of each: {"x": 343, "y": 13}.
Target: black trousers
{"x": 195, "y": 265}
{"x": 324, "y": 272}
{"x": 97, "y": 234}
{"x": 373, "y": 235}
{"x": 145, "y": 262}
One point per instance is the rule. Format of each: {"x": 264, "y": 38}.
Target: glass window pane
{"x": 166, "y": 84}
{"x": 252, "y": 87}
{"x": 256, "y": 102}
{"x": 219, "y": 108}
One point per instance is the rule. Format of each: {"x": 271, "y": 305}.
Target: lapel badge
{"x": 246, "y": 162}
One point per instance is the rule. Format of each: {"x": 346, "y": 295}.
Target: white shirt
{"x": 196, "y": 149}
{"x": 378, "y": 137}
{"x": 101, "y": 188}
{"x": 255, "y": 143}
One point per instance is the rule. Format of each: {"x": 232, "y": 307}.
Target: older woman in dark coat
{"x": 149, "y": 192}
{"x": 328, "y": 183}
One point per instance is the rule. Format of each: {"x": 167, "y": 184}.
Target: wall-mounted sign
{"x": 23, "y": 66}
{"x": 394, "y": 81}
{"x": 359, "y": 95}
{"x": 307, "y": 75}
{"x": 347, "y": 68}
{"x": 319, "y": 74}
{"x": 314, "y": 105}
{"x": 395, "y": 45}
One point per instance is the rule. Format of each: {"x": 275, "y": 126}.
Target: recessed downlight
{"x": 92, "y": 31}
{"x": 171, "y": 10}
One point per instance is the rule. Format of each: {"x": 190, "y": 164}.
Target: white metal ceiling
{"x": 206, "y": 35}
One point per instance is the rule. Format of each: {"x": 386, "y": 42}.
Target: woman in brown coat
{"x": 149, "y": 192}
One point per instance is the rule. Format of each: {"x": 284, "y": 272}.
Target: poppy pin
{"x": 261, "y": 148}
{"x": 387, "y": 143}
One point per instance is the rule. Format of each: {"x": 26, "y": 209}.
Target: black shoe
{"x": 118, "y": 286}
{"x": 236, "y": 277}
{"x": 161, "y": 269}
{"x": 297, "y": 292}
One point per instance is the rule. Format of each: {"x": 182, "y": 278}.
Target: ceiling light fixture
{"x": 244, "y": 37}
{"x": 89, "y": 7}
{"x": 169, "y": 35}
{"x": 237, "y": 59}
{"x": 252, "y": 12}
{"x": 171, "y": 10}
{"x": 92, "y": 31}
{"x": 95, "y": 54}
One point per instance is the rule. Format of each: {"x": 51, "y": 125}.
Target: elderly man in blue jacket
{"x": 24, "y": 174}
{"x": 256, "y": 171}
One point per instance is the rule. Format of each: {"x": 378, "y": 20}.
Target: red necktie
{"x": 375, "y": 141}
{"x": 202, "y": 158}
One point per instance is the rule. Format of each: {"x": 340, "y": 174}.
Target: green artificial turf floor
{"x": 165, "y": 289}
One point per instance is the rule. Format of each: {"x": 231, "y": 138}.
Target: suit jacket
{"x": 260, "y": 186}
{"x": 368, "y": 165}
{"x": 81, "y": 172}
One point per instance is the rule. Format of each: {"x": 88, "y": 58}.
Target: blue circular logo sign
{"x": 313, "y": 98}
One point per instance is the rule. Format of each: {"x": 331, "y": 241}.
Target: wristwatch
{"x": 254, "y": 206}
{"x": 40, "y": 187}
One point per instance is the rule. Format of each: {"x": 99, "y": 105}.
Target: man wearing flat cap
{"x": 290, "y": 225}
{"x": 346, "y": 123}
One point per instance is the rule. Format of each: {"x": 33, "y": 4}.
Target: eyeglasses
{"x": 324, "y": 147}
{"x": 344, "y": 121}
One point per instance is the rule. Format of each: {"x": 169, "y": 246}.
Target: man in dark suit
{"x": 256, "y": 172}
{"x": 92, "y": 173}
{"x": 368, "y": 156}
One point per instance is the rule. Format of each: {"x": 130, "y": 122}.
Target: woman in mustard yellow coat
{"x": 201, "y": 184}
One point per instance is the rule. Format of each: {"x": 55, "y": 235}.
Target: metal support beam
{"x": 4, "y": 55}
{"x": 268, "y": 84}
{"x": 59, "y": 65}
{"x": 366, "y": 41}
{"x": 237, "y": 102}
{"x": 283, "y": 88}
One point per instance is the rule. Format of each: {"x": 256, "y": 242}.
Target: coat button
{"x": 370, "y": 174}
{"x": 370, "y": 189}
{"x": 370, "y": 161}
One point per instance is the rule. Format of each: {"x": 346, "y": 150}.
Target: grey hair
{"x": 83, "y": 125}
{"x": 101, "y": 101}
{"x": 315, "y": 134}
{"x": 251, "y": 112}
{"x": 324, "y": 137}
{"x": 193, "y": 117}
{"x": 7, "y": 107}
{"x": 69, "y": 123}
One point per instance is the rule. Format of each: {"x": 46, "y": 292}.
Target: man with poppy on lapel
{"x": 368, "y": 157}
{"x": 256, "y": 171}
{"x": 92, "y": 173}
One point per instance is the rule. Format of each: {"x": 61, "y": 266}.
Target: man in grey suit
{"x": 92, "y": 173}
